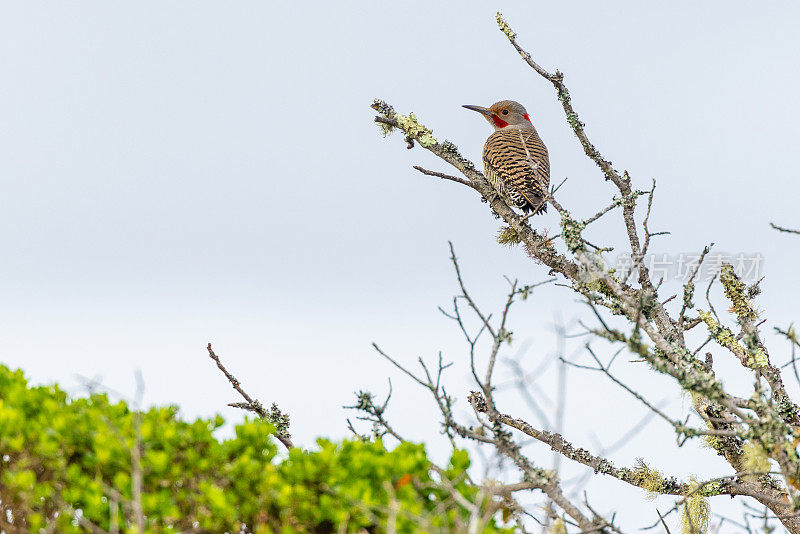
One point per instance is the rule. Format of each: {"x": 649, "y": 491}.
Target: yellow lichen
{"x": 385, "y": 129}
{"x": 558, "y": 527}
{"x": 736, "y": 292}
{"x": 410, "y": 125}
{"x": 712, "y": 441}
{"x": 601, "y": 286}
{"x": 760, "y": 357}
{"x": 695, "y": 512}
{"x": 723, "y": 335}
{"x": 571, "y": 232}
{"x": 504, "y": 27}
{"x": 650, "y": 480}
{"x": 507, "y": 236}
{"x": 756, "y": 459}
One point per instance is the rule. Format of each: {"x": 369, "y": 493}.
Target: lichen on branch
{"x": 736, "y": 291}
{"x": 504, "y": 27}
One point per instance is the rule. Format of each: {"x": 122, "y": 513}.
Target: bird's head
{"x": 505, "y": 114}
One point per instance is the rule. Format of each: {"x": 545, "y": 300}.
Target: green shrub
{"x": 66, "y": 465}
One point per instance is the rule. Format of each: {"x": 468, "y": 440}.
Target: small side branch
{"x": 557, "y": 79}
{"x": 683, "y": 432}
{"x": 784, "y": 230}
{"x": 634, "y": 477}
{"x": 445, "y": 176}
{"x": 274, "y": 415}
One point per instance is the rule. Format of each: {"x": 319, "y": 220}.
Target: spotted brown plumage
{"x": 515, "y": 158}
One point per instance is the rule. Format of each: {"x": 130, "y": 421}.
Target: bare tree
{"x": 631, "y": 311}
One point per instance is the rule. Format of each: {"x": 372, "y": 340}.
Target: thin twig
{"x": 785, "y": 230}
{"x": 445, "y": 176}
{"x": 275, "y": 416}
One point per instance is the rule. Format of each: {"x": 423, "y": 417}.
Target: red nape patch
{"x": 527, "y": 117}
{"x": 500, "y": 123}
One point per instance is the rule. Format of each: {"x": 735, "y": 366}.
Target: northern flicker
{"x": 514, "y": 157}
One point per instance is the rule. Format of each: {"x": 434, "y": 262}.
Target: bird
{"x": 515, "y": 159}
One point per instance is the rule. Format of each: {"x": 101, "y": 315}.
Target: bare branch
{"x": 768, "y": 419}
{"x": 274, "y": 416}
{"x": 445, "y": 176}
{"x": 785, "y": 230}
{"x": 661, "y": 518}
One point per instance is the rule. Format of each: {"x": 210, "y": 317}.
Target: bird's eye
{"x": 505, "y": 112}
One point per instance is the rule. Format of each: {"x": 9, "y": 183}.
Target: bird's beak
{"x": 479, "y": 109}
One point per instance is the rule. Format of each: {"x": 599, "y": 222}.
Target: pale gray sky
{"x": 184, "y": 172}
